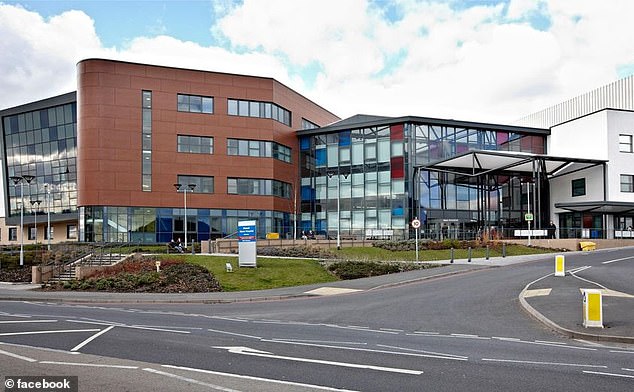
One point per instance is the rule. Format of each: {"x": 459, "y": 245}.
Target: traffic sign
{"x": 528, "y": 217}
{"x": 415, "y": 223}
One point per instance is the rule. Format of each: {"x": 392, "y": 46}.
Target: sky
{"x": 474, "y": 60}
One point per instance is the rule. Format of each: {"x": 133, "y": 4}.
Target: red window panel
{"x": 396, "y": 132}
{"x": 397, "y": 165}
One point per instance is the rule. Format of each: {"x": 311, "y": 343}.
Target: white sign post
{"x": 247, "y": 237}
{"x": 416, "y": 225}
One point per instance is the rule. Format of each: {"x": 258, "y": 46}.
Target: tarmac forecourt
{"x": 554, "y": 301}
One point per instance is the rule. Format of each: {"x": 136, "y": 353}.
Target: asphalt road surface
{"x": 464, "y": 332}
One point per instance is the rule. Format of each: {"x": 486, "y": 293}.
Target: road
{"x": 464, "y": 332}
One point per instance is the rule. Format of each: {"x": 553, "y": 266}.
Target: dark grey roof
{"x": 41, "y": 104}
{"x": 365, "y": 120}
{"x": 607, "y": 207}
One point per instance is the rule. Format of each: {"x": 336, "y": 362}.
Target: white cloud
{"x": 482, "y": 63}
{"x": 38, "y": 56}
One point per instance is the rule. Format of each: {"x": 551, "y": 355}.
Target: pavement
{"x": 559, "y": 309}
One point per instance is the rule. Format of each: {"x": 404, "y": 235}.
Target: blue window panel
{"x": 307, "y": 193}
{"x": 304, "y": 143}
{"x": 344, "y": 138}
{"x": 397, "y": 211}
{"x": 203, "y": 228}
{"x": 165, "y": 225}
{"x": 320, "y": 157}
{"x": 321, "y": 226}
{"x": 164, "y": 237}
{"x": 306, "y": 225}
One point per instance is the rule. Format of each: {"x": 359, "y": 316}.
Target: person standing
{"x": 552, "y": 230}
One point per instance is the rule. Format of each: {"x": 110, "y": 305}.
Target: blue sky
{"x": 484, "y": 60}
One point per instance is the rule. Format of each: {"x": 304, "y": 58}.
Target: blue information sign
{"x": 246, "y": 233}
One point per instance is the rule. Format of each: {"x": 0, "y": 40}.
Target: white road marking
{"x": 17, "y": 356}
{"x": 256, "y": 378}
{"x": 234, "y": 334}
{"x": 468, "y": 336}
{"x": 424, "y": 352}
{"x": 589, "y": 343}
{"x": 367, "y": 350}
{"x": 155, "y": 329}
{"x": 543, "y": 363}
{"x": 191, "y": 380}
{"x": 324, "y": 291}
{"x": 391, "y": 329}
{"x": 90, "y": 339}
{"x": 427, "y": 333}
{"x": 589, "y": 281}
{"x": 609, "y": 374}
{"x": 537, "y": 293}
{"x": 622, "y": 352}
{"x": 264, "y": 354}
{"x": 27, "y": 321}
{"x": 615, "y": 260}
{"x": 98, "y": 365}
{"x": 315, "y": 341}
{"x": 45, "y": 332}
{"x": 627, "y": 370}
{"x": 53, "y": 350}
{"x": 549, "y": 342}
{"x": 506, "y": 339}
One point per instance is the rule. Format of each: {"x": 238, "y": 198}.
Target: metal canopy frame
{"x": 605, "y": 207}
{"x": 478, "y": 166}
{"x": 481, "y": 162}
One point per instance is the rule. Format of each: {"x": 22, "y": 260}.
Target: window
{"x": 195, "y": 144}
{"x": 195, "y": 104}
{"x": 236, "y": 107}
{"x": 71, "y": 232}
{"x": 258, "y": 148}
{"x": 46, "y": 234}
{"x": 627, "y": 183}
{"x": 203, "y": 184}
{"x": 32, "y": 233}
{"x": 625, "y": 143}
{"x": 308, "y": 124}
{"x": 260, "y": 187}
{"x": 579, "y": 187}
{"x": 13, "y": 233}
{"x": 146, "y": 141}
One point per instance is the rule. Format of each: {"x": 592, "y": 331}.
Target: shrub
{"x": 363, "y": 269}
{"x": 297, "y": 251}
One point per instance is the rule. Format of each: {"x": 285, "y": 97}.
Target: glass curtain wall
{"x": 463, "y": 207}
{"x": 160, "y": 225}
{"x": 42, "y": 143}
{"x": 354, "y": 182}
{"x": 358, "y": 182}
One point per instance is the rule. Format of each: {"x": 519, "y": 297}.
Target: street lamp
{"x": 21, "y": 180}
{"x": 190, "y": 188}
{"x": 34, "y": 202}
{"x": 330, "y": 175}
{"x": 48, "y": 211}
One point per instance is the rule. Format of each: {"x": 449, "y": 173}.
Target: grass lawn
{"x": 378, "y": 254}
{"x": 270, "y": 273}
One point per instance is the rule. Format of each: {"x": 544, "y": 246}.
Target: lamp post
{"x": 48, "y": 212}
{"x": 190, "y": 188}
{"x": 21, "y": 180}
{"x": 330, "y": 175}
{"x": 36, "y": 202}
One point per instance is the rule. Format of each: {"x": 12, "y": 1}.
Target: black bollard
{"x": 469, "y": 258}
{"x": 504, "y": 249}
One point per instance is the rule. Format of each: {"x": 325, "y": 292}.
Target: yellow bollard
{"x": 560, "y": 265}
{"x": 592, "y": 308}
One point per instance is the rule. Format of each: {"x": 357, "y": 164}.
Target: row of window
{"x": 71, "y": 233}
{"x": 195, "y": 104}
{"x": 258, "y": 148}
{"x": 257, "y": 186}
{"x": 239, "y": 107}
{"x": 579, "y": 185}
{"x": 239, "y": 186}
{"x": 241, "y": 147}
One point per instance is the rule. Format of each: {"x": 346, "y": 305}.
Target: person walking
{"x": 552, "y": 230}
